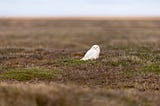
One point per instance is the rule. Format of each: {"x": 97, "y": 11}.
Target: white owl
{"x": 92, "y": 53}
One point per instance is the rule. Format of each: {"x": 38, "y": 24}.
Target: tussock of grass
{"x": 25, "y": 74}
{"x": 125, "y": 61}
{"x": 130, "y": 101}
{"x": 118, "y": 63}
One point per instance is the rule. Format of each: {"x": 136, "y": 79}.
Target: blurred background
{"x": 67, "y": 32}
{"x": 79, "y": 8}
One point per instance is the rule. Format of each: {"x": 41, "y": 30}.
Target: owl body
{"x": 92, "y": 53}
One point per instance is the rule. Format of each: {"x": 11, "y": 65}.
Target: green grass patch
{"x": 67, "y": 62}
{"x": 25, "y": 74}
{"x": 118, "y": 63}
{"x": 154, "y": 68}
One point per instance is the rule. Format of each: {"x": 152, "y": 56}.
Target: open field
{"x": 39, "y": 62}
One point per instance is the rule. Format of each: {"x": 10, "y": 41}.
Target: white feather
{"x": 92, "y": 53}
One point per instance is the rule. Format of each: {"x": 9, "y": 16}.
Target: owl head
{"x": 96, "y": 47}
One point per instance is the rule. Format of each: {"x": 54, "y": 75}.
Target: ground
{"x": 40, "y": 62}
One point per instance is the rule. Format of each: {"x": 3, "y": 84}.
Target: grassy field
{"x": 40, "y": 62}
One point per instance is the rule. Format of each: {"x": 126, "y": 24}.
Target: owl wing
{"x": 90, "y": 54}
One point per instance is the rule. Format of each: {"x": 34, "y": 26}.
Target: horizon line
{"x": 82, "y": 17}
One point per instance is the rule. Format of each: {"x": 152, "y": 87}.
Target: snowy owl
{"x": 92, "y": 53}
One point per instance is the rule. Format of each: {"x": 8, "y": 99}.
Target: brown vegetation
{"x": 39, "y": 62}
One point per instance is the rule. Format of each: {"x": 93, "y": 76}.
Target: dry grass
{"x": 41, "y": 94}
{"x": 127, "y": 72}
